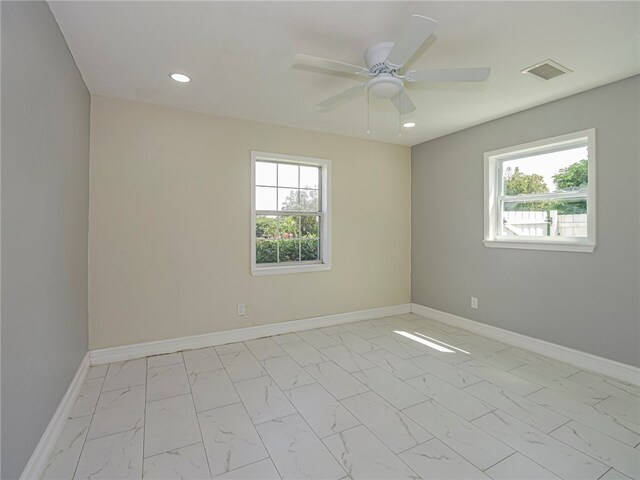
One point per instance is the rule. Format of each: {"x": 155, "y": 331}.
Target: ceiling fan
{"x": 385, "y": 62}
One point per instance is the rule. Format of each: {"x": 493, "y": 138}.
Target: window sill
{"x": 282, "y": 270}
{"x": 533, "y": 245}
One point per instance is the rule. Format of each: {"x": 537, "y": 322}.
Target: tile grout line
{"x": 499, "y": 461}
{"x": 144, "y": 417}
{"x": 195, "y": 412}
{"x": 75, "y": 470}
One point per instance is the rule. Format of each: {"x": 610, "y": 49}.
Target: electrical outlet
{"x": 474, "y": 303}
{"x": 242, "y": 309}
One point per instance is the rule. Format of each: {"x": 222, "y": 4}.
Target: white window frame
{"x": 325, "y": 212}
{"x": 492, "y": 183}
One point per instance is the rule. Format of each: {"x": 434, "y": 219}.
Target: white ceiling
{"x": 239, "y": 55}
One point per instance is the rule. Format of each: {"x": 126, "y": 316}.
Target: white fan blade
{"x": 414, "y": 34}
{"x": 403, "y": 103}
{"x": 479, "y": 74}
{"x": 330, "y": 65}
{"x": 342, "y": 97}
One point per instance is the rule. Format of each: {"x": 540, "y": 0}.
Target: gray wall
{"x": 45, "y": 197}
{"x": 584, "y": 301}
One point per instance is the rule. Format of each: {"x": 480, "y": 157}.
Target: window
{"x": 541, "y": 195}
{"x": 290, "y": 214}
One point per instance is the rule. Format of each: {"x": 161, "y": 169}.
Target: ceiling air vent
{"x": 546, "y": 70}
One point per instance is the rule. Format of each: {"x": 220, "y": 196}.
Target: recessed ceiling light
{"x": 409, "y": 124}
{"x": 180, "y": 77}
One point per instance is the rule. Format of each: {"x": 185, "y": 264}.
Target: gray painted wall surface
{"x": 45, "y": 199}
{"x": 589, "y": 302}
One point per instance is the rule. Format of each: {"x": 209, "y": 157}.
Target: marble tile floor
{"x": 351, "y": 401}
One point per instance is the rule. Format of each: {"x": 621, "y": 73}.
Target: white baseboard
{"x": 139, "y": 350}
{"x": 40, "y": 456}
{"x": 587, "y": 361}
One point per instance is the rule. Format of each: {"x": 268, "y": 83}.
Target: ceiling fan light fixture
{"x": 385, "y": 86}
{"x": 180, "y": 77}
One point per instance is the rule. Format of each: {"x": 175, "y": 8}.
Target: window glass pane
{"x": 290, "y": 250}
{"x": 563, "y": 170}
{"x": 267, "y": 227}
{"x": 266, "y": 198}
{"x": 309, "y": 226}
{"x": 289, "y": 227}
{"x": 310, "y": 249}
{"x": 308, "y": 201}
{"x": 288, "y": 199}
{"x": 266, "y": 251}
{"x": 551, "y": 218}
{"x": 309, "y": 177}
{"x": 287, "y": 175}
{"x": 266, "y": 173}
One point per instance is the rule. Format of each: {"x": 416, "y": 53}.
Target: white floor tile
{"x": 167, "y": 381}
{"x": 445, "y": 371}
{"x": 611, "y": 452}
{"x": 620, "y": 429}
{"x": 620, "y": 409}
{"x": 162, "y": 360}
{"x": 242, "y": 366}
{"x": 324, "y": 414}
{"x": 394, "y": 428}
{"x": 563, "y": 385}
{"x": 263, "y": 399}
{"x": 230, "y": 348}
{"x": 116, "y": 456}
{"x": 262, "y": 470}
{"x": 264, "y": 348}
{"x": 505, "y": 380}
{"x": 363, "y": 455}
{"x": 393, "y": 390}
{"x": 398, "y": 367}
{"x": 337, "y": 381}
{"x": 362, "y": 330}
{"x": 523, "y": 408}
{"x": 212, "y": 389}
{"x": 98, "y": 371}
{"x": 317, "y": 339}
{"x": 613, "y": 474}
{"x": 87, "y": 399}
{"x": 398, "y": 348}
{"x": 345, "y": 358}
{"x": 286, "y": 338}
{"x": 189, "y": 463}
{"x": 230, "y": 439}
{"x": 456, "y": 399}
{"x": 286, "y": 372}
{"x": 170, "y": 424}
{"x": 466, "y": 439}
{"x": 118, "y": 411}
{"x": 519, "y": 467}
{"x": 399, "y": 394}
{"x": 354, "y": 342}
{"x": 303, "y": 353}
{"x": 434, "y": 459}
{"x": 201, "y": 360}
{"x": 64, "y": 459}
{"x": 296, "y": 451}
{"x": 556, "y": 456}
{"x": 608, "y": 385}
{"x": 126, "y": 374}
{"x": 562, "y": 369}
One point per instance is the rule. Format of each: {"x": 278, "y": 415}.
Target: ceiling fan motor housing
{"x": 375, "y": 57}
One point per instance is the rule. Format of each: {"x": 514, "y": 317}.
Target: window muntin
{"x": 542, "y": 194}
{"x": 290, "y": 215}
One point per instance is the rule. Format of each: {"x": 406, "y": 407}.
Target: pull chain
{"x": 400, "y": 114}
{"x": 368, "y": 116}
